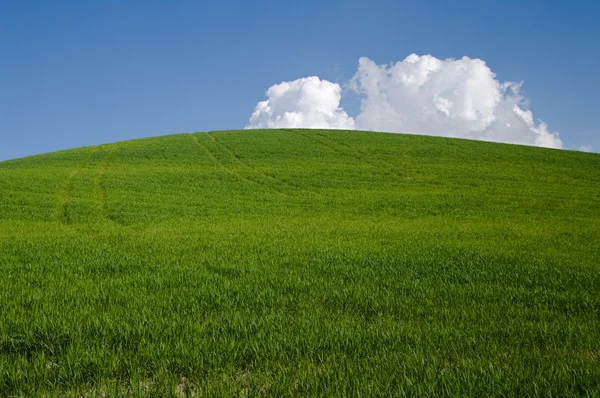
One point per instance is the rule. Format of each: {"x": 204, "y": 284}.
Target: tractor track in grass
{"x": 99, "y": 183}
{"x": 222, "y": 165}
{"x": 238, "y": 160}
{"x": 367, "y": 157}
{"x": 230, "y": 171}
{"x": 272, "y": 180}
{"x": 63, "y": 206}
{"x": 350, "y": 152}
{"x": 67, "y": 191}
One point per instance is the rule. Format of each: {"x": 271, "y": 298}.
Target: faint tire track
{"x": 357, "y": 151}
{"x": 232, "y": 172}
{"x": 67, "y": 191}
{"x": 238, "y": 160}
{"x": 101, "y": 187}
{"x": 63, "y": 207}
{"x": 350, "y": 152}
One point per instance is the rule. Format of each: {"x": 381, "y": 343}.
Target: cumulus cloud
{"x": 452, "y": 97}
{"x": 585, "y": 148}
{"x": 420, "y": 94}
{"x": 308, "y": 102}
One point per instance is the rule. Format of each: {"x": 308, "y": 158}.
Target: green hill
{"x": 300, "y": 262}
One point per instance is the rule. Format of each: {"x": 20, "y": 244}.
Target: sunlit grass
{"x": 297, "y": 262}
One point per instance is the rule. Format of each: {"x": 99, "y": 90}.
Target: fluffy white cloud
{"x": 308, "y": 102}
{"x": 456, "y": 98}
{"x": 421, "y": 95}
{"x": 585, "y": 148}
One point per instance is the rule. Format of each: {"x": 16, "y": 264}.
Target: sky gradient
{"x": 78, "y": 73}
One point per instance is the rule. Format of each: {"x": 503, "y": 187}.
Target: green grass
{"x": 297, "y": 262}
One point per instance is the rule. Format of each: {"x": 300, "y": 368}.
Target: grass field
{"x": 300, "y": 262}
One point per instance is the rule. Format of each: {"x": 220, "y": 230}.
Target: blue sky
{"x": 75, "y": 73}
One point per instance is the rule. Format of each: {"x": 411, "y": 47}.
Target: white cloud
{"x": 308, "y": 102}
{"x": 452, "y": 97}
{"x": 421, "y": 94}
{"x": 585, "y": 148}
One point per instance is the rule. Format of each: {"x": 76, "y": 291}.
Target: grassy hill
{"x": 300, "y": 262}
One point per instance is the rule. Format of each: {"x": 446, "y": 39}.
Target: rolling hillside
{"x": 300, "y": 262}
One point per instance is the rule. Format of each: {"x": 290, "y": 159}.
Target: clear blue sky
{"x": 75, "y": 73}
